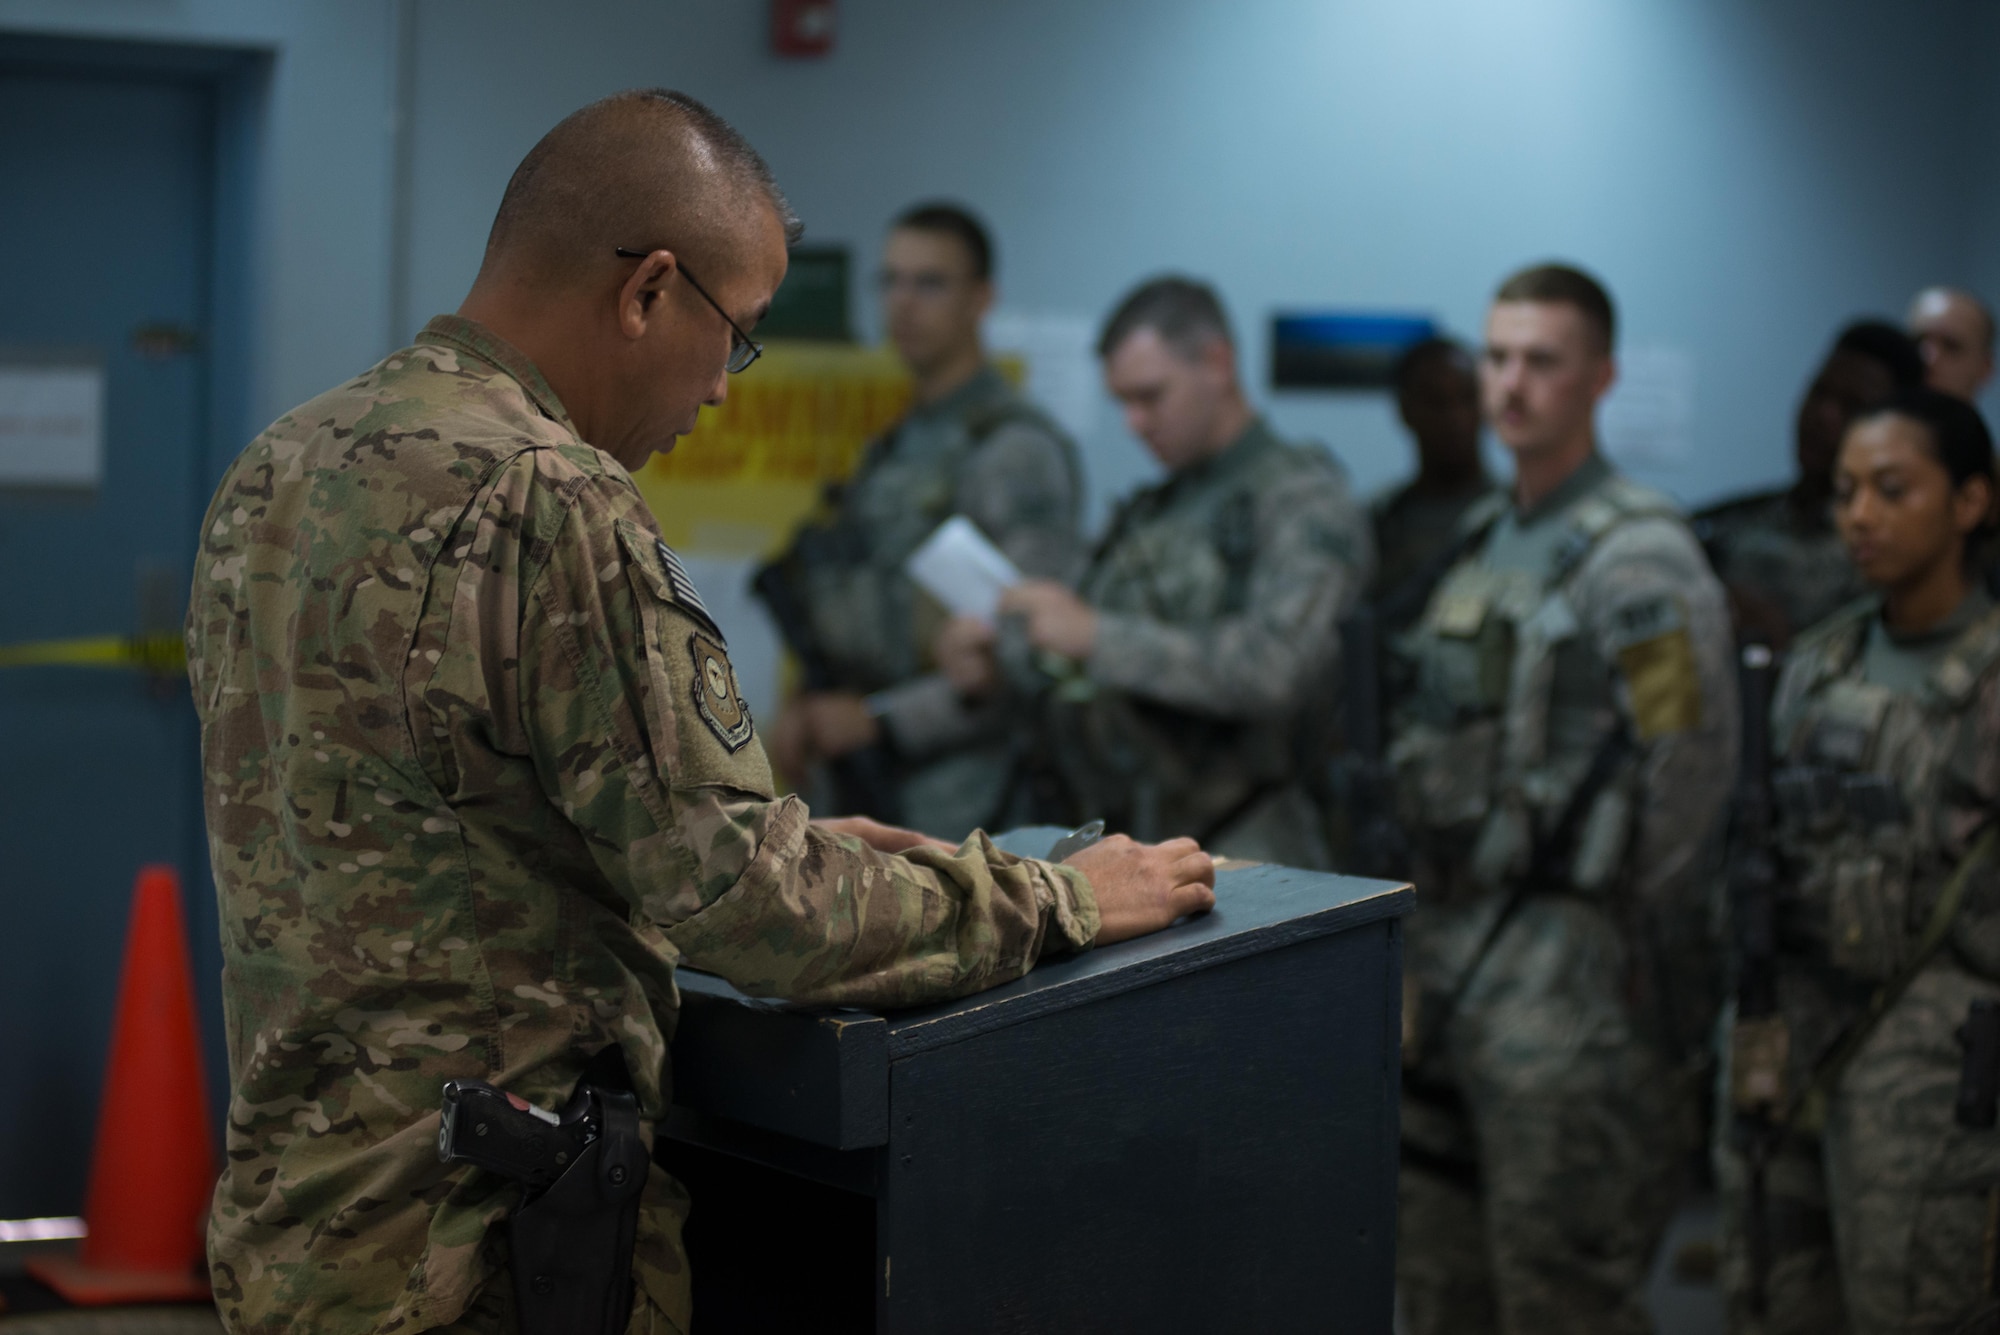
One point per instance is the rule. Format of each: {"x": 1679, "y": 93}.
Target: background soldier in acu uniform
{"x": 1777, "y": 552}
{"x": 1176, "y": 683}
{"x": 971, "y": 445}
{"x": 1561, "y": 756}
{"x": 1880, "y": 1206}
{"x": 478, "y": 774}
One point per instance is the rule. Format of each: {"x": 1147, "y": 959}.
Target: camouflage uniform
{"x": 1218, "y": 593}
{"x": 1878, "y": 1217}
{"x": 1542, "y": 1140}
{"x": 983, "y": 452}
{"x": 477, "y": 777}
{"x": 1769, "y": 548}
{"x": 1411, "y": 531}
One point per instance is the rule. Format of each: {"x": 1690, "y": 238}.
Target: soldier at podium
{"x": 478, "y": 776}
{"x": 1560, "y": 759}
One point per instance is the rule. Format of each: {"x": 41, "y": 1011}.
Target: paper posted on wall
{"x": 961, "y": 568}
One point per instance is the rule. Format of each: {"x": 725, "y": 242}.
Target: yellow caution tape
{"x": 152, "y": 653}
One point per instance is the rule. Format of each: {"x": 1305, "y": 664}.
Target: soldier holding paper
{"x": 1180, "y": 689}
{"x": 971, "y": 446}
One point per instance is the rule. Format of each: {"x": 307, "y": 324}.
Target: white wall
{"x": 1746, "y": 177}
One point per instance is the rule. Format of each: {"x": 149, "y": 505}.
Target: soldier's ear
{"x": 1972, "y": 505}
{"x": 641, "y": 298}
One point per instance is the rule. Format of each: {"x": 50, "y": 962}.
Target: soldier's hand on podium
{"x": 1141, "y": 888}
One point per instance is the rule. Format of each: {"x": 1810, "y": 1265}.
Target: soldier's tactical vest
{"x": 1156, "y": 770}
{"x": 1878, "y": 796}
{"x": 1504, "y": 704}
{"x": 874, "y": 521}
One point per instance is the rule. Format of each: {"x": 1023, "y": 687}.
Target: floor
{"x": 1685, "y": 1309}
{"x": 1682, "y": 1308}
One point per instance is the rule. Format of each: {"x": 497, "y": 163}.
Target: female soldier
{"x": 1880, "y": 1205}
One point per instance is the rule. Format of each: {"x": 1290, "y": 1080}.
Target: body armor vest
{"x": 1505, "y": 702}
{"x": 1878, "y": 798}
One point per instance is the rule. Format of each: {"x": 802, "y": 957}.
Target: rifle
{"x": 1760, "y": 1046}
{"x": 863, "y": 781}
{"x": 1361, "y": 780}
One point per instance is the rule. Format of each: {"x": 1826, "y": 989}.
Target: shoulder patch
{"x": 1664, "y": 682}
{"x": 665, "y": 574}
{"x": 1645, "y": 619}
{"x": 677, "y": 576}
{"x": 716, "y": 697}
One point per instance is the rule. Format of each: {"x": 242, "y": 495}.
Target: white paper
{"x": 959, "y": 567}
{"x": 1647, "y": 418}
{"x": 51, "y": 426}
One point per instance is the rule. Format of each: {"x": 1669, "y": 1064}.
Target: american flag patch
{"x": 684, "y": 591}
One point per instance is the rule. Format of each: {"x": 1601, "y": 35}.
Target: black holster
{"x": 572, "y": 1244}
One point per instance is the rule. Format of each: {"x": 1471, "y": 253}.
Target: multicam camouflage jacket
{"x": 478, "y": 775}
{"x": 1218, "y": 594}
{"x": 1886, "y": 766}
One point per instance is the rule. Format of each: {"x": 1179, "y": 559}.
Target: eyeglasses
{"x": 742, "y": 351}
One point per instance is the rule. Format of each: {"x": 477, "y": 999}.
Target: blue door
{"x": 104, "y": 248}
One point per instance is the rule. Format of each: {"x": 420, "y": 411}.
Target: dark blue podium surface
{"x": 1193, "y": 1131}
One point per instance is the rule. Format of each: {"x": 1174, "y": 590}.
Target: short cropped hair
{"x": 1184, "y": 312}
{"x": 1567, "y": 285}
{"x": 1883, "y": 342}
{"x": 1958, "y": 434}
{"x": 954, "y": 220}
{"x": 1425, "y": 352}
{"x": 611, "y": 173}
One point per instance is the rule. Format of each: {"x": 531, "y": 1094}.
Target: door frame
{"x": 237, "y": 81}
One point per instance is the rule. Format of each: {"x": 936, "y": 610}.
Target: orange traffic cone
{"x": 153, "y": 1169}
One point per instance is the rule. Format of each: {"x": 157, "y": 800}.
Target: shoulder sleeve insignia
{"x": 716, "y": 697}
{"x": 683, "y": 587}
{"x": 1655, "y": 655}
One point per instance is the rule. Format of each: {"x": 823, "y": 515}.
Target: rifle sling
{"x": 1806, "y": 1109}
{"x": 1610, "y": 752}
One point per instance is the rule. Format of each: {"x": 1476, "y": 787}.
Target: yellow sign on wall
{"x": 738, "y": 483}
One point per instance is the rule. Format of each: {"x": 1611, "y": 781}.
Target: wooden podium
{"x": 1194, "y": 1131}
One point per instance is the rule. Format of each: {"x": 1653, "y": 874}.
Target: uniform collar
{"x": 986, "y": 386}
{"x": 476, "y": 340}
{"x": 1591, "y": 474}
{"x": 1975, "y": 604}
{"x": 1256, "y": 440}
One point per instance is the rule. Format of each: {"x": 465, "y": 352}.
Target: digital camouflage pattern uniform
{"x": 1545, "y": 1124}
{"x": 1886, "y": 757}
{"x": 986, "y": 453}
{"x": 1218, "y": 594}
{"x": 478, "y": 776}
{"x": 1788, "y": 558}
